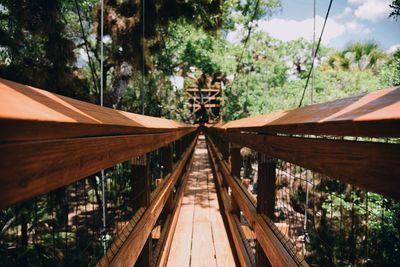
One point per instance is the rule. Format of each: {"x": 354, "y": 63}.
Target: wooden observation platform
{"x": 205, "y": 103}
{"x": 198, "y": 210}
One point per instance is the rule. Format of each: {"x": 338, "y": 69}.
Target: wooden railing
{"x": 345, "y": 140}
{"x": 49, "y": 141}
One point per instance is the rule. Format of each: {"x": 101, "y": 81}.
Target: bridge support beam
{"x": 266, "y": 183}
{"x": 167, "y": 163}
{"x": 235, "y": 171}
{"x": 179, "y": 148}
{"x": 141, "y": 183}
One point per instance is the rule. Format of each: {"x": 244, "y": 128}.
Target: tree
{"x": 364, "y": 55}
{"x": 395, "y": 5}
{"x": 390, "y": 73}
{"x": 36, "y": 47}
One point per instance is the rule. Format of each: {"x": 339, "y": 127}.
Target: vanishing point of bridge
{"x": 243, "y": 193}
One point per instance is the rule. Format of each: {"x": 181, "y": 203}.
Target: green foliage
{"x": 273, "y": 77}
{"x": 395, "y": 5}
{"x": 390, "y": 72}
{"x": 39, "y": 45}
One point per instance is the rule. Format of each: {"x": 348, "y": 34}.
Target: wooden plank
{"x": 140, "y": 168}
{"x": 266, "y": 184}
{"x": 29, "y": 169}
{"x": 122, "y": 236}
{"x": 207, "y": 105}
{"x": 204, "y": 90}
{"x": 373, "y": 166}
{"x": 373, "y": 114}
{"x": 140, "y": 171}
{"x": 203, "y": 247}
{"x": 200, "y": 238}
{"x": 131, "y": 248}
{"x": 166, "y": 246}
{"x": 167, "y": 166}
{"x": 236, "y": 160}
{"x": 223, "y": 250}
{"x": 240, "y": 250}
{"x": 273, "y": 248}
{"x": 28, "y": 113}
{"x": 182, "y": 239}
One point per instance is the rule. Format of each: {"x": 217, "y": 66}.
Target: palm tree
{"x": 339, "y": 60}
{"x": 362, "y": 55}
{"x": 365, "y": 55}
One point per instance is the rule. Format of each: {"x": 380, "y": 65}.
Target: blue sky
{"x": 349, "y": 21}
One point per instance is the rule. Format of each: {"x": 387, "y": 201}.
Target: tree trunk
{"x": 123, "y": 74}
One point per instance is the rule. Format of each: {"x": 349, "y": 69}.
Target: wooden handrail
{"x": 374, "y": 166}
{"x": 170, "y": 226}
{"x": 48, "y": 141}
{"x": 240, "y": 250}
{"x": 375, "y": 114}
{"x": 28, "y": 113}
{"x": 273, "y": 248}
{"x": 371, "y": 165}
{"x": 127, "y": 252}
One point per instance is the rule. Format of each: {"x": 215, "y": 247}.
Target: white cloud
{"x": 288, "y": 30}
{"x": 372, "y": 10}
{"x": 357, "y": 28}
{"x": 393, "y": 48}
{"x": 348, "y": 10}
{"x": 356, "y": 2}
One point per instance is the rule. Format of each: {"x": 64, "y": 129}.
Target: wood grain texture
{"x": 373, "y": 166}
{"x": 372, "y": 114}
{"x": 200, "y": 238}
{"x": 241, "y": 253}
{"x": 140, "y": 172}
{"x": 29, "y": 169}
{"x": 28, "y": 113}
{"x": 129, "y": 251}
{"x": 166, "y": 246}
{"x": 273, "y": 248}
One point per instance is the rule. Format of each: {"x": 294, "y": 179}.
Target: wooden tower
{"x": 204, "y": 103}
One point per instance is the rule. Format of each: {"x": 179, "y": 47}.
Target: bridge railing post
{"x": 179, "y": 148}
{"x": 167, "y": 163}
{"x": 266, "y": 182}
{"x": 235, "y": 161}
{"x": 141, "y": 184}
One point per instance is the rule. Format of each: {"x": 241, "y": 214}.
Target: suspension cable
{"x": 103, "y": 195}
{"x": 95, "y": 78}
{"x": 250, "y": 27}
{"x": 312, "y": 94}
{"x": 312, "y": 54}
{"x": 143, "y": 63}
{"x": 315, "y": 53}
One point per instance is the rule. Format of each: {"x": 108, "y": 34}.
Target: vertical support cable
{"x": 313, "y": 58}
{"x": 305, "y": 213}
{"x": 316, "y": 52}
{"x": 143, "y": 31}
{"x": 101, "y": 52}
{"x": 312, "y": 101}
{"x": 103, "y": 196}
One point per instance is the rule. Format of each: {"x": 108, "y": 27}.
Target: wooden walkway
{"x": 200, "y": 238}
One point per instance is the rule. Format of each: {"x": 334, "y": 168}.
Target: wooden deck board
{"x": 200, "y": 238}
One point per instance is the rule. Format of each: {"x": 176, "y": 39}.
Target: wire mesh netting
{"x": 65, "y": 227}
{"x": 326, "y": 222}
{"x": 332, "y": 223}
